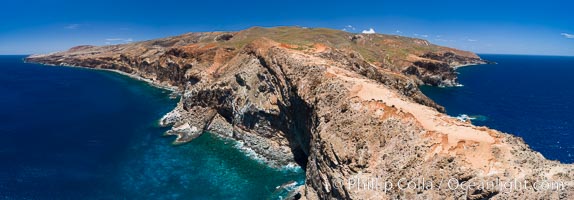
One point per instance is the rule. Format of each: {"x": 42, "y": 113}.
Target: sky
{"x": 487, "y": 26}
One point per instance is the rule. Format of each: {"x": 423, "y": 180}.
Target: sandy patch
{"x": 318, "y": 47}
{"x": 453, "y": 137}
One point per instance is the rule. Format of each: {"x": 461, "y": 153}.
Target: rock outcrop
{"x": 346, "y": 107}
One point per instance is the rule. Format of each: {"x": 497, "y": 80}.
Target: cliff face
{"x": 341, "y": 105}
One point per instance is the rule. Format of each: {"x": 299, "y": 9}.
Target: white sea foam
{"x": 294, "y": 167}
{"x": 249, "y": 152}
{"x": 288, "y": 186}
{"x": 465, "y": 117}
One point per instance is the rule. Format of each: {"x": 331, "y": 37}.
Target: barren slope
{"x": 339, "y": 104}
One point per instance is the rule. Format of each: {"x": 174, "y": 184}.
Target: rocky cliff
{"x": 346, "y": 107}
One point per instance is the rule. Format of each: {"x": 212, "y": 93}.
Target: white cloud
{"x": 349, "y": 28}
{"x": 419, "y": 35}
{"x": 566, "y": 35}
{"x": 370, "y": 31}
{"x": 398, "y": 31}
{"x": 471, "y": 40}
{"x": 72, "y": 26}
{"x": 118, "y": 40}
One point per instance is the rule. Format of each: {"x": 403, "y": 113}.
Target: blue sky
{"x": 487, "y": 26}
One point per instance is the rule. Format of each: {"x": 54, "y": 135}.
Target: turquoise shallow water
{"x": 70, "y": 133}
{"x": 528, "y": 96}
{"x": 207, "y": 168}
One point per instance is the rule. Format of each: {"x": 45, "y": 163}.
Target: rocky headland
{"x": 340, "y": 105}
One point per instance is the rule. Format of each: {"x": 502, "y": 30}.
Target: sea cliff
{"x": 346, "y": 107}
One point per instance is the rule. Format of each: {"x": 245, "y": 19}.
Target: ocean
{"x": 528, "y": 96}
{"x": 73, "y": 133}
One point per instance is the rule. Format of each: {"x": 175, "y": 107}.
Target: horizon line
{"x": 502, "y": 54}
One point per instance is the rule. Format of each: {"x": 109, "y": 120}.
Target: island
{"x": 346, "y": 107}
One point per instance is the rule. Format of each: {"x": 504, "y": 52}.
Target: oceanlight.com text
{"x": 359, "y": 183}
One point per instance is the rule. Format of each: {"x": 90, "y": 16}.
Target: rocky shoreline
{"x": 170, "y": 88}
{"x": 338, "y": 104}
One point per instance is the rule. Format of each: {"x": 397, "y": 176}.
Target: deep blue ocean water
{"x": 528, "y": 96}
{"x": 71, "y": 133}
